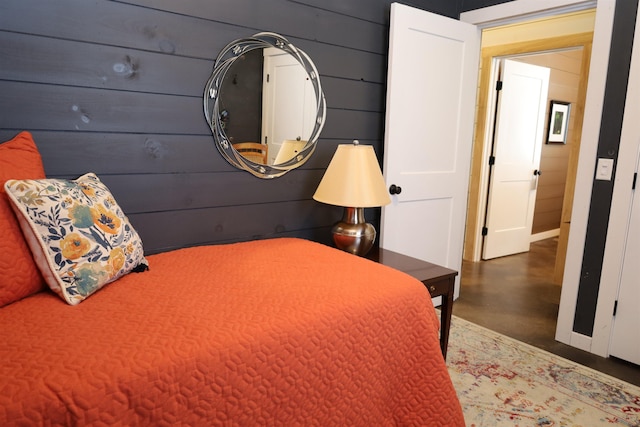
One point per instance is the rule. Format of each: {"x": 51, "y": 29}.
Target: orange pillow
{"x": 19, "y": 275}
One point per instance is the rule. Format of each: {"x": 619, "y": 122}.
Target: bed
{"x": 269, "y": 332}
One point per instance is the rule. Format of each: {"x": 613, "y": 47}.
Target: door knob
{"x": 537, "y": 172}
{"x": 394, "y": 189}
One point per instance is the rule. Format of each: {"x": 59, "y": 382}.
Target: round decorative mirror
{"x": 264, "y": 105}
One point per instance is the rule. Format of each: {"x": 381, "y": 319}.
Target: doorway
{"x": 569, "y": 50}
{"x": 553, "y": 173}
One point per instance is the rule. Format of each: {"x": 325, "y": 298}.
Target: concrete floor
{"x": 516, "y": 296}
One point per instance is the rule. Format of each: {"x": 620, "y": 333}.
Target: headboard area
{"x": 116, "y": 88}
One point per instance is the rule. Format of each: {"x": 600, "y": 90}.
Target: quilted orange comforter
{"x": 276, "y": 332}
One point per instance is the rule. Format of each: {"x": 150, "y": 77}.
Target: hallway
{"x": 515, "y": 296}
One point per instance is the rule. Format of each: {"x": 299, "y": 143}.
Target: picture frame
{"x": 558, "y": 122}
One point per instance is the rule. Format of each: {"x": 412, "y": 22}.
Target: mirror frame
{"x": 223, "y": 62}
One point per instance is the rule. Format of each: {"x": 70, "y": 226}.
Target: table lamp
{"x": 353, "y": 180}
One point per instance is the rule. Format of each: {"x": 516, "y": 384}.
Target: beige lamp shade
{"x": 353, "y": 179}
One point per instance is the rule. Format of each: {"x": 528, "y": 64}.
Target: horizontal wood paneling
{"x": 354, "y": 94}
{"x": 379, "y": 11}
{"x": 115, "y": 88}
{"x": 113, "y": 153}
{"x": 83, "y": 64}
{"x": 124, "y": 153}
{"x": 113, "y": 23}
{"x": 292, "y": 19}
{"x": 148, "y": 30}
{"x": 548, "y": 205}
{"x": 98, "y": 110}
{"x": 467, "y": 5}
{"x": 551, "y": 191}
{"x": 546, "y": 221}
{"x": 139, "y": 193}
{"x": 72, "y": 63}
{"x": 161, "y": 230}
{"x": 347, "y": 63}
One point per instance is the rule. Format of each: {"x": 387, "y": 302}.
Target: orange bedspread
{"x": 278, "y": 332}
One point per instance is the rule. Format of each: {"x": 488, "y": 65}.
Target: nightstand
{"x": 440, "y": 282}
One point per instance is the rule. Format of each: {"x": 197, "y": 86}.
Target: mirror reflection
{"x": 267, "y": 97}
{"x": 264, "y": 105}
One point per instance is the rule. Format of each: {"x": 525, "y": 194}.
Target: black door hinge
{"x": 615, "y": 307}
{"x": 485, "y": 231}
{"x": 499, "y": 85}
{"x": 492, "y": 160}
{"x": 635, "y": 177}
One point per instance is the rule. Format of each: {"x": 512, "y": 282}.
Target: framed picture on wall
{"x": 558, "y": 122}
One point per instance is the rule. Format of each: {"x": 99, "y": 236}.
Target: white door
{"x": 431, "y": 94}
{"x": 518, "y": 136}
{"x": 287, "y": 90}
{"x": 625, "y": 341}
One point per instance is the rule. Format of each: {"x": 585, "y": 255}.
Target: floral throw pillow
{"x": 80, "y": 238}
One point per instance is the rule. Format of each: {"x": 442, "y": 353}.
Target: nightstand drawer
{"x": 438, "y": 288}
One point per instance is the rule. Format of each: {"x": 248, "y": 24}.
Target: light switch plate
{"x": 604, "y": 169}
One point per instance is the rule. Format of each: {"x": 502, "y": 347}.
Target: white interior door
{"x": 625, "y": 340}
{"x": 431, "y": 94}
{"x": 287, "y": 90}
{"x": 518, "y": 136}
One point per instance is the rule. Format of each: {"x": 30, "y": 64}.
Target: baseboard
{"x": 580, "y": 341}
{"x": 545, "y": 235}
{"x": 574, "y": 339}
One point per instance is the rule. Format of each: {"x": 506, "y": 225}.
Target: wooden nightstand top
{"x": 421, "y": 270}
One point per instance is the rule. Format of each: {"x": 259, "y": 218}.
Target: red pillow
{"x": 19, "y": 275}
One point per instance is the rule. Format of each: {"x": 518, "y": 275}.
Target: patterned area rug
{"x": 504, "y": 382}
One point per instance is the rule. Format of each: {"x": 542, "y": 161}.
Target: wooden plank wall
{"x": 115, "y": 88}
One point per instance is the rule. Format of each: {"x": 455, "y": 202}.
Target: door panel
{"x": 625, "y": 340}
{"x": 432, "y": 75}
{"x": 519, "y": 132}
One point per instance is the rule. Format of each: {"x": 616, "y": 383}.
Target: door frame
{"x": 521, "y": 10}
{"x": 478, "y": 189}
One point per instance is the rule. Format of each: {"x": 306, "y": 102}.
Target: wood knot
{"x": 128, "y": 68}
